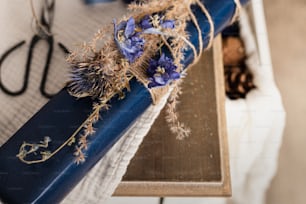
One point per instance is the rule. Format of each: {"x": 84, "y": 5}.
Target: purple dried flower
{"x": 155, "y": 23}
{"x": 128, "y": 41}
{"x": 162, "y": 71}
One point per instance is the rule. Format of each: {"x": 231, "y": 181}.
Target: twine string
{"x": 40, "y": 28}
{"x": 211, "y": 24}
{"x": 157, "y": 93}
{"x": 238, "y": 8}
{"x": 195, "y": 22}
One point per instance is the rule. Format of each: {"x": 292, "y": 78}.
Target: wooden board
{"x": 198, "y": 165}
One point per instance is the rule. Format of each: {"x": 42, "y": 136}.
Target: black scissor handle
{"x": 50, "y": 41}
{"x": 24, "y": 86}
{"x": 43, "y": 33}
{"x": 34, "y": 41}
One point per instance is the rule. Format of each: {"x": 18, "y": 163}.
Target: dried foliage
{"x": 103, "y": 67}
{"x": 172, "y": 117}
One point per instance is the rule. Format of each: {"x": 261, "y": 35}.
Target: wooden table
{"x": 198, "y": 165}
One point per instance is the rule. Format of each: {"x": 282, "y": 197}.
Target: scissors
{"x": 43, "y": 34}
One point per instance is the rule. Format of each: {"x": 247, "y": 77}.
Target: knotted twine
{"x": 140, "y": 72}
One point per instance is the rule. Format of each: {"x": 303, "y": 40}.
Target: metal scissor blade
{"x": 47, "y": 16}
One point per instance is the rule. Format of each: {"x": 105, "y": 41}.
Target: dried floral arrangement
{"x": 147, "y": 44}
{"x": 133, "y": 48}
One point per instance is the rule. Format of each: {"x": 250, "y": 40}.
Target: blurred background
{"x": 287, "y": 35}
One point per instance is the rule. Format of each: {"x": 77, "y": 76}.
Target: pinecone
{"x": 233, "y": 51}
{"x": 238, "y": 81}
{"x": 238, "y": 78}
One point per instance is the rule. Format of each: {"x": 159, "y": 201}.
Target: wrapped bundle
{"x": 64, "y": 140}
